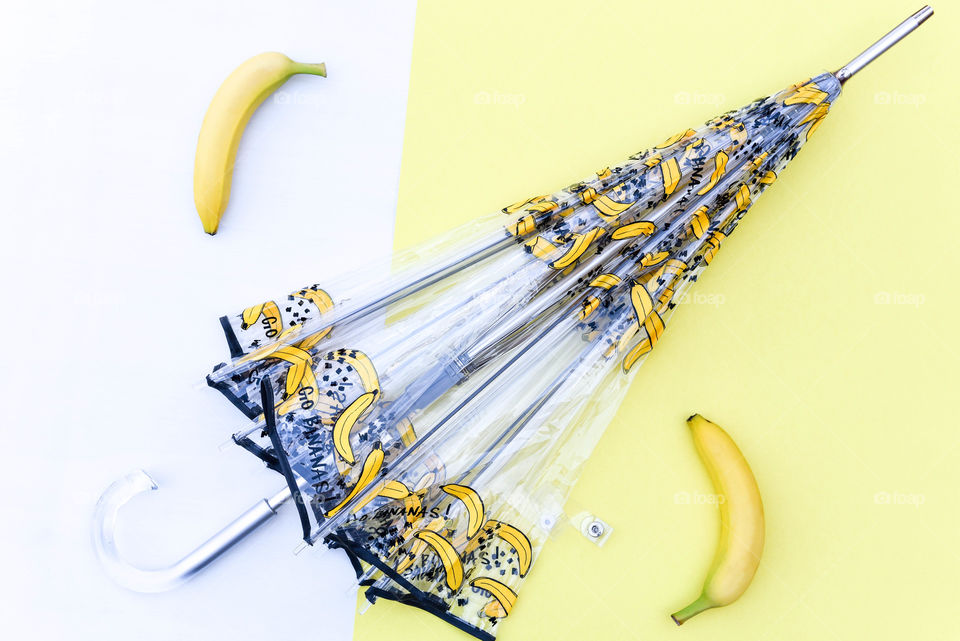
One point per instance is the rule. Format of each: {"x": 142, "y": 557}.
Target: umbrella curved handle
{"x": 167, "y": 578}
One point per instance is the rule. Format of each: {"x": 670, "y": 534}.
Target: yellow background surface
{"x": 843, "y": 404}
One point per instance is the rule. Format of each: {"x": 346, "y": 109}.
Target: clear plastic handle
{"x": 166, "y": 578}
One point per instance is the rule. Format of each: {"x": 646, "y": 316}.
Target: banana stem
{"x": 315, "y": 69}
{"x": 702, "y": 603}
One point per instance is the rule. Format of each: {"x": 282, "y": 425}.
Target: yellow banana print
{"x": 675, "y": 139}
{"x": 308, "y": 397}
{"x": 632, "y": 230}
{"x": 609, "y": 209}
{"x": 418, "y": 546}
{"x": 587, "y": 307}
{"x": 509, "y": 209}
{"x": 250, "y": 315}
{"x": 756, "y": 162}
{"x": 768, "y": 178}
{"x": 580, "y": 244}
{"x": 605, "y": 281}
{"x": 452, "y": 565}
{"x": 396, "y": 491}
{"x": 808, "y": 93}
{"x": 815, "y": 117}
{"x": 700, "y": 222}
{"x": 640, "y": 349}
{"x": 587, "y": 196}
{"x": 522, "y": 227}
{"x": 604, "y": 173}
{"x": 270, "y": 313}
{"x": 743, "y": 198}
{"x": 516, "y": 539}
{"x": 407, "y": 433}
{"x": 653, "y": 160}
{"x": 362, "y": 365}
{"x": 720, "y": 168}
{"x": 504, "y": 595}
{"x": 541, "y": 247}
{"x": 542, "y": 207}
{"x": 713, "y": 246}
{"x": 649, "y": 260}
{"x": 671, "y": 175}
{"x": 316, "y": 296}
{"x": 371, "y": 467}
{"x": 472, "y": 501}
{"x": 642, "y": 303}
{"x": 345, "y": 423}
{"x": 300, "y": 362}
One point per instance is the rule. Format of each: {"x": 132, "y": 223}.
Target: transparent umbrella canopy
{"x": 438, "y": 450}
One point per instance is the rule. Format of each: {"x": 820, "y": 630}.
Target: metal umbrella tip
{"x": 894, "y": 36}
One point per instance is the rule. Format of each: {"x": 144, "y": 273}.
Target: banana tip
{"x": 690, "y": 418}
{"x": 676, "y": 620}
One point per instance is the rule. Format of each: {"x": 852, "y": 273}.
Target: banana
{"x": 515, "y": 538}
{"x": 472, "y": 501}
{"x": 670, "y": 174}
{"x": 720, "y": 168}
{"x": 605, "y": 281}
{"x": 609, "y": 209}
{"x": 581, "y": 242}
{"x": 227, "y": 116}
{"x": 700, "y": 222}
{"x": 505, "y": 596}
{"x": 371, "y": 467}
{"x": 632, "y": 230}
{"x": 345, "y": 423}
{"x": 362, "y": 364}
{"x": 741, "y": 519}
{"x": 452, "y": 565}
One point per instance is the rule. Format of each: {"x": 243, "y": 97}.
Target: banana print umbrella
{"x": 438, "y": 449}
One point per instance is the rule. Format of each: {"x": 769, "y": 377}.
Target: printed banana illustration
{"x": 227, "y": 116}
{"x": 345, "y": 423}
{"x": 452, "y": 565}
{"x": 741, "y": 519}
{"x": 505, "y": 597}
{"x": 371, "y": 467}
{"x": 517, "y": 539}
{"x": 362, "y": 364}
{"x": 472, "y": 501}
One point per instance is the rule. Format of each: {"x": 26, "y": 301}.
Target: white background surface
{"x": 112, "y": 293}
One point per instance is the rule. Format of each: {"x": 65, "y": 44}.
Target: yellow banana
{"x": 371, "y": 467}
{"x": 671, "y": 175}
{"x": 227, "y": 116}
{"x": 472, "y": 501}
{"x": 581, "y": 242}
{"x": 632, "y": 230}
{"x": 741, "y": 519}
{"x": 609, "y": 209}
{"x": 505, "y": 596}
{"x": 605, "y": 281}
{"x": 345, "y": 423}
{"x": 361, "y": 364}
{"x": 452, "y": 565}
{"x": 515, "y": 538}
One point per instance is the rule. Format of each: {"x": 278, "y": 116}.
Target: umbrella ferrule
{"x": 895, "y": 35}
